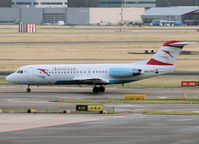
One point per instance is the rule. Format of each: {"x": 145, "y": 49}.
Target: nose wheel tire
{"x": 28, "y": 90}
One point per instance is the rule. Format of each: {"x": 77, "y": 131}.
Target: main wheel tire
{"x": 28, "y": 90}
{"x": 95, "y": 90}
{"x": 102, "y": 89}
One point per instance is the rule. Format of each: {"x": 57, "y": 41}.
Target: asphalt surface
{"x": 99, "y": 129}
{"x": 43, "y": 98}
{"x": 136, "y": 129}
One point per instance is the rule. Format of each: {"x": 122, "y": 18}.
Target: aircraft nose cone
{"x": 9, "y": 78}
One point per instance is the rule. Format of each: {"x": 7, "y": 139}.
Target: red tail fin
{"x": 168, "y": 53}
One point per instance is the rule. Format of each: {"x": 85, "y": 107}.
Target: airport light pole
{"x": 122, "y": 20}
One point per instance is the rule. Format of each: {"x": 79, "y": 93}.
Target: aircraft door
{"x": 30, "y": 75}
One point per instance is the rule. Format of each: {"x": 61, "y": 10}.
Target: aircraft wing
{"x": 93, "y": 80}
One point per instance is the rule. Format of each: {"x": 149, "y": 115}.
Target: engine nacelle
{"x": 123, "y": 72}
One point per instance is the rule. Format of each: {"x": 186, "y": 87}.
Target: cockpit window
{"x": 19, "y": 71}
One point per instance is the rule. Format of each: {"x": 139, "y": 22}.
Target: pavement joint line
{"x": 116, "y": 136}
{"x": 66, "y": 123}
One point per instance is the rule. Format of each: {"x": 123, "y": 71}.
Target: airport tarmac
{"x": 126, "y": 129}
{"x": 95, "y": 128}
{"x": 44, "y": 97}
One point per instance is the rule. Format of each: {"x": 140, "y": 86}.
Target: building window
{"x": 36, "y": 3}
{"x": 23, "y": 3}
{"x": 51, "y": 3}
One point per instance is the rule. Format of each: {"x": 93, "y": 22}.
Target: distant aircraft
{"x": 99, "y": 75}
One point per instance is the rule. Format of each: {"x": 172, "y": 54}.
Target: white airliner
{"x": 99, "y": 75}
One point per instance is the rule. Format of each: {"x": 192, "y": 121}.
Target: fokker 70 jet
{"x": 99, "y": 75}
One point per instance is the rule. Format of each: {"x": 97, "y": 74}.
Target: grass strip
{"x": 108, "y": 112}
{"x": 147, "y": 101}
{"x": 62, "y": 112}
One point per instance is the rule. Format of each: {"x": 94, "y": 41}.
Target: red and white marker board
{"x": 27, "y": 28}
{"x": 188, "y": 83}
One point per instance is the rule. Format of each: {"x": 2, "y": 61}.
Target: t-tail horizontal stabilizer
{"x": 168, "y": 53}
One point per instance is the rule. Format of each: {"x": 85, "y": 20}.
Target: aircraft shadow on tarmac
{"x": 68, "y": 92}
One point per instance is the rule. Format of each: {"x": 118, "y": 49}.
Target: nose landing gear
{"x": 98, "y": 89}
{"x": 28, "y": 89}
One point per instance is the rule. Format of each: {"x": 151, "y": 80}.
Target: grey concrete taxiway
{"x": 129, "y": 129}
{"x": 43, "y": 98}
{"x": 98, "y": 129}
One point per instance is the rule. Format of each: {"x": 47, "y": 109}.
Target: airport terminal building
{"x": 70, "y": 16}
{"x": 83, "y": 3}
{"x": 186, "y": 15}
{"x": 128, "y": 3}
{"x": 5, "y": 3}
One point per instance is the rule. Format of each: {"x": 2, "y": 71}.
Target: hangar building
{"x": 171, "y": 3}
{"x": 79, "y": 16}
{"x": 5, "y": 3}
{"x": 73, "y": 16}
{"x": 186, "y": 15}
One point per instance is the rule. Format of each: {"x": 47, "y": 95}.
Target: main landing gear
{"x": 28, "y": 89}
{"x": 98, "y": 89}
